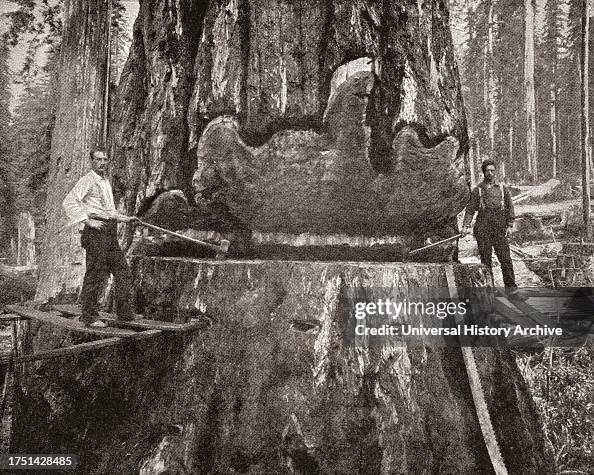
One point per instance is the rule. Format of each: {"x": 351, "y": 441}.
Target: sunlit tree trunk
{"x": 585, "y": 142}
{"x": 553, "y": 127}
{"x": 531, "y": 147}
{"x": 490, "y": 79}
{"x": 511, "y": 142}
{"x": 78, "y": 129}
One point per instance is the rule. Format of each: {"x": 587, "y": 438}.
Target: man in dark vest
{"x": 494, "y": 222}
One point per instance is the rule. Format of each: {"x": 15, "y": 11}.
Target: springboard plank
{"x": 136, "y": 324}
{"x": 54, "y": 318}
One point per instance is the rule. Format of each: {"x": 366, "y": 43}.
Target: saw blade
{"x": 478, "y": 395}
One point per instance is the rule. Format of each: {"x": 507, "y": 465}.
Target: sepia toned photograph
{"x": 296, "y": 237}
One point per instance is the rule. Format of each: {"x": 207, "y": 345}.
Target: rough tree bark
{"x": 553, "y": 124}
{"x": 585, "y": 118}
{"x": 149, "y": 129}
{"x": 472, "y": 160}
{"x": 490, "y": 80}
{"x": 78, "y": 129}
{"x": 26, "y": 240}
{"x": 273, "y": 386}
{"x": 510, "y": 143}
{"x": 269, "y": 65}
{"x": 530, "y": 101}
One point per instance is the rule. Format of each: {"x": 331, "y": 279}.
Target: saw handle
{"x": 99, "y": 218}
{"x": 107, "y": 219}
{"x": 220, "y": 249}
{"x": 436, "y": 243}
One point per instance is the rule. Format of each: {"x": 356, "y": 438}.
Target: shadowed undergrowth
{"x": 562, "y": 384}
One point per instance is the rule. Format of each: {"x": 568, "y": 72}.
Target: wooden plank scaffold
{"x": 115, "y": 334}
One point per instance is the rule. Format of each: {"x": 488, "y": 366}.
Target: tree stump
{"x": 271, "y": 386}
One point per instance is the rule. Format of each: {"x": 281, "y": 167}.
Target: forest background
{"x": 519, "y": 64}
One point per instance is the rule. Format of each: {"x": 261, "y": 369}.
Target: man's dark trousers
{"x": 104, "y": 257}
{"x": 489, "y": 232}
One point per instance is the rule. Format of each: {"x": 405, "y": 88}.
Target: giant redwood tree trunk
{"x": 77, "y": 130}
{"x": 272, "y": 386}
{"x": 149, "y": 127}
{"x": 341, "y": 121}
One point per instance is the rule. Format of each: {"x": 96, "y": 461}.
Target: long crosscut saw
{"x": 478, "y": 395}
{"x": 221, "y": 248}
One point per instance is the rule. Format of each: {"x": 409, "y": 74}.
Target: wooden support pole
{"x": 87, "y": 346}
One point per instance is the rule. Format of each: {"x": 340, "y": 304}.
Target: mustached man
{"x": 494, "y": 222}
{"x": 90, "y": 203}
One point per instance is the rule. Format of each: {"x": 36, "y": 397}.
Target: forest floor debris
{"x": 562, "y": 383}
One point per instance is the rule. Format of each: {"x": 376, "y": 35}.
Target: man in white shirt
{"x": 90, "y": 203}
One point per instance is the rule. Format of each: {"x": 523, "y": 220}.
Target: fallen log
{"x": 17, "y": 271}
{"x": 538, "y": 191}
{"x": 547, "y": 209}
{"x": 519, "y": 251}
